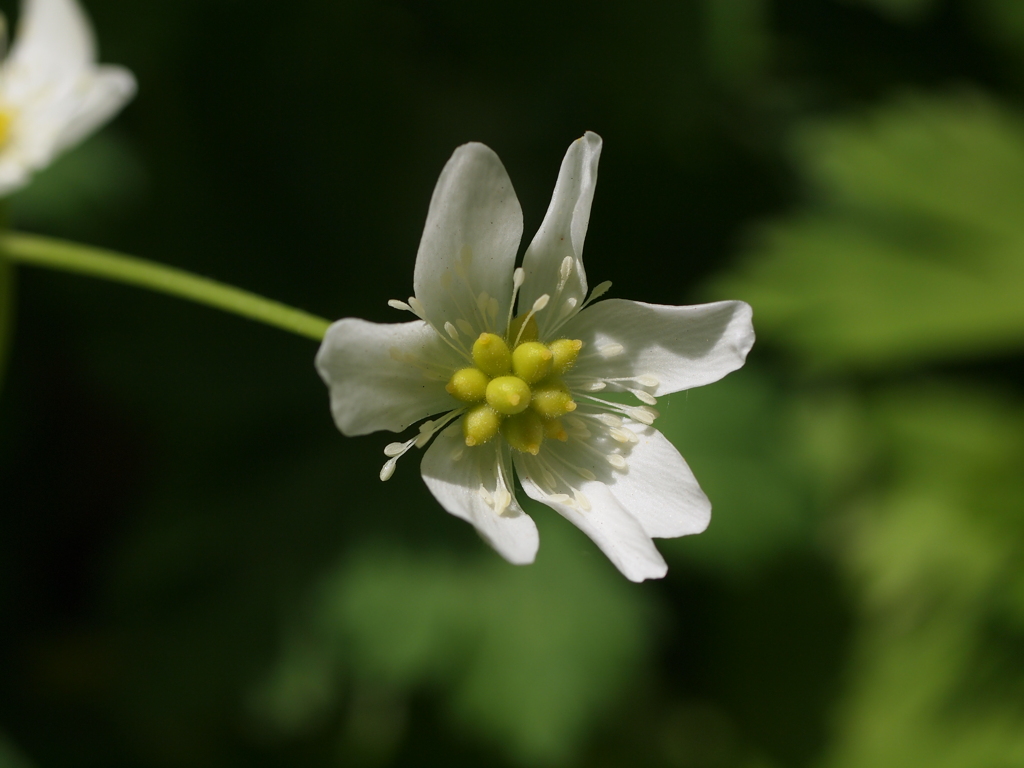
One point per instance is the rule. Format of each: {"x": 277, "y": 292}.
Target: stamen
{"x": 643, "y": 414}
{"x": 581, "y": 500}
{"x": 647, "y": 380}
{"x": 451, "y": 330}
{"x": 593, "y": 386}
{"x": 598, "y": 292}
{"x": 538, "y": 305}
{"x": 518, "y": 277}
{"x": 616, "y": 460}
{"x": 396, "y": 449}
{"x": 396, "y": 304}
{"x": 610, "y": 350}
{"x": 644, "y": 397}
{"x": 567, "y": 308}
{"x": 417, "y": 308}
{"x": 502, "y": 498}
{"x": 622, "y": 435}
{"x": 564, "y": 270}
{"x": 485, "y": 495}
{"x": 388, "y": 470}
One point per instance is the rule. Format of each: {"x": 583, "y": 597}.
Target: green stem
{"x": 109, "y": 265}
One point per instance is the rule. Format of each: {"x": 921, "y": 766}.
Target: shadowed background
{"x": 197, "y": 569}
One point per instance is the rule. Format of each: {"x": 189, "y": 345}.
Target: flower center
{"x": 514, "y": 387}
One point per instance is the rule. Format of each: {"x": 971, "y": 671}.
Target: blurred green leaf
{"x": 938, "y": 676}
{"x": 529, "y": 658}
{"x": 899, "y": 10}
{"x": 737, "y": 40}
{"x": 739, "y": 428}
{"x": 912, "y": 249}
{"x": 100, "y": 177}
{"x": 9, "y": 756}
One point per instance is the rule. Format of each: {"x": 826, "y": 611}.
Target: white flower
{"x": 52, "y": 93}
{"x": 597, "y": 462}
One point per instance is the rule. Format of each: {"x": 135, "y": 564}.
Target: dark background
{"x": 197, "y": 569}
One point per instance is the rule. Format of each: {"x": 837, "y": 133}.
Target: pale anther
{"x": 451, "y": 330}
{"x": 647, "y": 380}
{"x": 465, "y": 327}
{"x": 600, "y": 290}
{"x": 581, "y": 500}
{"x": 610, "y": 350}
{"x": 417, "y": 306}
{"x": 502, "y": 498}
{"x": 394, "y": 449}
{"x": 641, "y": 415}
{"x": 622, "y": 435}
{"x": 563, "y": 271}
{"x": 610, "y": 419}
{"x": 540, "y": 303}
{"x": 585, "y": 473}
{"x": 518, "y": 277}
{"x": 593, "y": 386}
{"x": 616, "y": 460}
{"x": 644, "y": 397}
{"x": 388, "y": 469}
{"x": 486, "y": 496}
{"x": 397, "y": 304}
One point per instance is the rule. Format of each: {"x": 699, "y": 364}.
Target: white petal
{"x": 463, "y": 479}
{"x": 682, "y": 347}
{"x": 53, "y": 40}
{"x": 469, "y": 242}
{"x": 658, "y": 487}
{"x": 373, "y": 377}
{"x": 618, "y": 534}
{"x": 98, "y": 97}
{"x": 562, "y": 233}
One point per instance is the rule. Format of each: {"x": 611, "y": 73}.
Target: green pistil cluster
{"x": 516, "y": 391}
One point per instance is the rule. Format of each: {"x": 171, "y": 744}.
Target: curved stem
{"x": 110, "y": 265}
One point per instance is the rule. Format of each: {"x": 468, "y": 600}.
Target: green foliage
{"x": 936, "y": 555}
{"x": 899, "y": 10}
{"x": 743, "y": 426}
{"x": 911, "y": 248}
{"x": 529, "y": 658}
{"x": 99, "y": 180}
{"x": 9, "y": 756}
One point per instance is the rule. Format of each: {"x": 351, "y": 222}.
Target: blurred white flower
{"x": 529, "y": 391}
{"x": 52, "y": 92}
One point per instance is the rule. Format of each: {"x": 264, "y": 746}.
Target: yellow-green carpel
{"x": 524, "y": 432}
{"x": 552, "y": 399}
{"x": 531, "y": 361}
{"x": 563, "y": 354}
{"x": 515, "y": 390}
{"x": 480, "y": 424}
{"x": 508, "y": 395}
{"x": 468, "y": 385}
{"x": 491, "y": 355}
